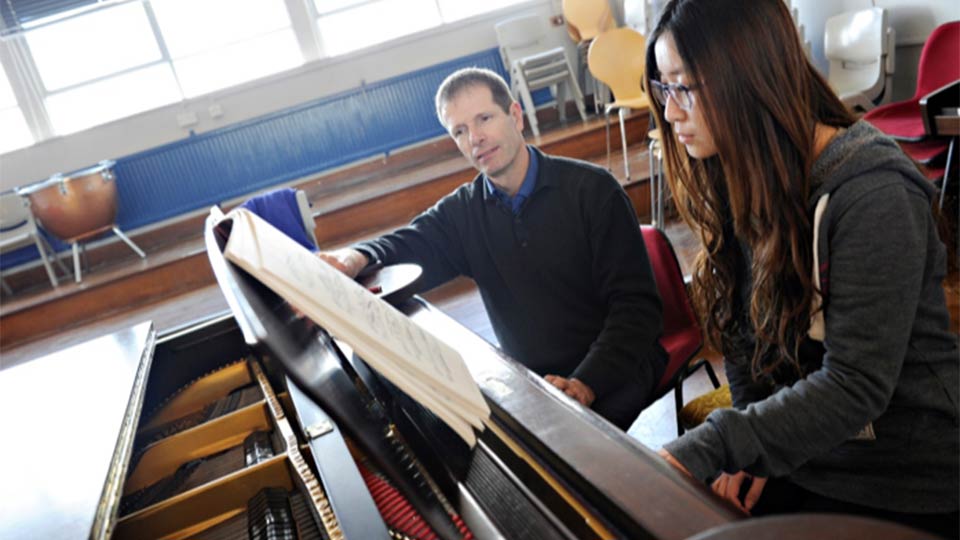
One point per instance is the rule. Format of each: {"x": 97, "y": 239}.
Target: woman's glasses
{"x": 682, "y": 94}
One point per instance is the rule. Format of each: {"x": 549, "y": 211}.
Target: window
{"x": 88, "y": 62}
{"x": 109, "y": 99}
{"x": 346, "y": 25}
{"x": 15, "y": 133}
{"x": 214, "y": 44}
{"x": 112, "y": 68}
{"x": 455, "y": 10}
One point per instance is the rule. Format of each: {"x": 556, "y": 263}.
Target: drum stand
{"x": 77, "y": 247}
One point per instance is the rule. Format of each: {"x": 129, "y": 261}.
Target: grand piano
{"x": 256, "y": 423}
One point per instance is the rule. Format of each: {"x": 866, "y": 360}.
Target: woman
{"x": 865, "y": 419}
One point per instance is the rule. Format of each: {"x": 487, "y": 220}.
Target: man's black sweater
{"x": 566, "y": 282}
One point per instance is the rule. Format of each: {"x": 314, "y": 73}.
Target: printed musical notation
{"x": 416, "y": 361}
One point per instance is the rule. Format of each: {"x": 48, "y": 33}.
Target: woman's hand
{"x": 668, "y": 457}
{"x": 728, "y": 487}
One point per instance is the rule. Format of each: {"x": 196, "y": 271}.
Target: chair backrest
{"x": 283, "y": 209}
{"x": 855, "y": 44}
{"x": 940, "y": 59}
{"x": 617, "y": 58}
{"x": 590, "y": 17}
{"x": 520, "y": 37}
{"x": 16, "y": 222}
{"x": 855, "y": 36}
{"x": 679, "y": 320}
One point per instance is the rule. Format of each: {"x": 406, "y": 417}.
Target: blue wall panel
{"x": 219, "y": 165}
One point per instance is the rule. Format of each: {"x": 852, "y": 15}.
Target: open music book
{"x": 414, "y": 360}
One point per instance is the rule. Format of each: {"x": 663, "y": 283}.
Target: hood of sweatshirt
{"x": 857, "y": 151}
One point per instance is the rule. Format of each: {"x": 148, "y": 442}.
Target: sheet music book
{"x": 414, "y": 360}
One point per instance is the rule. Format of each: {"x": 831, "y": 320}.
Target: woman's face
{"x": 689, "y": 126}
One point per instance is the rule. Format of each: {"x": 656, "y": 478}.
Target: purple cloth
{"x": 279, "y": 208}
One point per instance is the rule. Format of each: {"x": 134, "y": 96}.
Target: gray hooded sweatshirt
{"x": 876, "y": 423}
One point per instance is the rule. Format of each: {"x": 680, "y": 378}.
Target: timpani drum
{"x": 77, "y": 206}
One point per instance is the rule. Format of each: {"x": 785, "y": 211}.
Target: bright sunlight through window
{"x": 219, "y": 43}
{"x": 372, "y": 22}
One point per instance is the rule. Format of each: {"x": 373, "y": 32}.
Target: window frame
{"x": 31, "y": 93}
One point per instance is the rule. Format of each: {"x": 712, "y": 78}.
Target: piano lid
{"x": 66, "y": 442}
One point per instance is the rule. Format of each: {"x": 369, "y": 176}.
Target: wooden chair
{"x": 617, "y": 58}
{"x": 587, "y": 19}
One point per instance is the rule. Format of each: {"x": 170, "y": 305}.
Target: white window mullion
{"x": 26, "y": 84}
{"x": 302, "y": 14}
{"x": 164, "y": 52}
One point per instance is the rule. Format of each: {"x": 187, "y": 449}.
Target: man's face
{"x": 486, "y": 135}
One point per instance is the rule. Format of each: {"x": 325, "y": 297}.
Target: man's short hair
{"x": 464, "y": 78}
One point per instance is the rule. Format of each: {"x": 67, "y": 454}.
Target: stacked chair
{"x": 534, "y": 64}
{"x": 937, "y": 75}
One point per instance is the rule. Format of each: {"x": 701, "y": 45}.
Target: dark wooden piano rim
{"x": 623, "y": 479}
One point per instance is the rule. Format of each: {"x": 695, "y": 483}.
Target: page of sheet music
{"x": 416, "y": 361}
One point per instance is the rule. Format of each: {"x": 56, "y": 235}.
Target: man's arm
{"x": 432, "y": 240}
{"x": 627, "y": 344}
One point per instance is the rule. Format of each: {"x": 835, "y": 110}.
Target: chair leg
{"x": 623, "y": 138}
{"x": 678, "y": 404}
{"x": 76, "y": 262}
{"x": 129, "y": 242}
{"x": 946, "y": 171}
{"x": 55, "y": 257}
{"x": 562, "y": 95}
{"x": 660, "y": 196}
{"x": 606, "y": 114}
{"x": 653, "y": 187}
{"x": 528, "y": 105}
{"x": 576, "y": 93}
{"x": 710, "y": 373}
{"x": 45, "y": 259}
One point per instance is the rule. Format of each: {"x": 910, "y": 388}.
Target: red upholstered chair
{"x": 939, "y": 65}
{"x": 682, "y": 337}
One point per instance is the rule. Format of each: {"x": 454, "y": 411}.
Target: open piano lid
{"x": 307, "y": 354}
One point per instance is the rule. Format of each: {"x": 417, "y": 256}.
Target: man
{"x": 554, "y": 247}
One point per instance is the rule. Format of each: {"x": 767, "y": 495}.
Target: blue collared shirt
{"x": 515, "y": 203}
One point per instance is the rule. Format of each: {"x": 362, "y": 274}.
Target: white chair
{"x": 309, "y": 225}
{"x": 535, "y": 64}
{"x": 859, "y": 46}
{"x": 18, "y": 229}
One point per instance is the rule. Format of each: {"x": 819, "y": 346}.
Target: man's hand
{"x": 347, "y": 260}
{"x": 728, "y": 487}
{"x": 573, "y": 388}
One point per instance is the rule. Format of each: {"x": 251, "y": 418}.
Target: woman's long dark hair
{"x": 761, "y": 99}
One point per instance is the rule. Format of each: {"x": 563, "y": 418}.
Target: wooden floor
{"x": 458, "y": 298}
